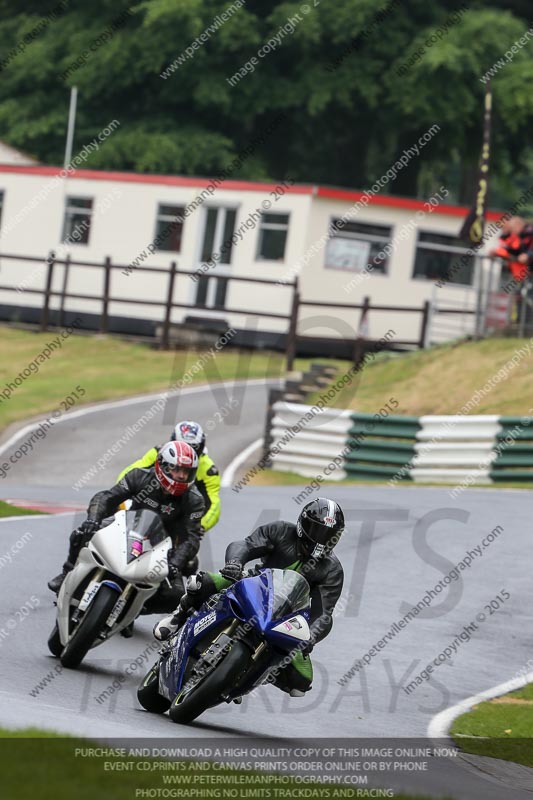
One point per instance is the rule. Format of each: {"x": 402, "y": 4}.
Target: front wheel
{"x": 54, "y": 642}
{"x": 148, "y": 693}
{"x": 88, "y": 629}
{"x": 208, "y": 693}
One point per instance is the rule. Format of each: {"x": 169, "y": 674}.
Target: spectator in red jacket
{"x": 516, "y": 247}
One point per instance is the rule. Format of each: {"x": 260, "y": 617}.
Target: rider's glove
{"x": 173, "y": 571}
{"x": 232, "y": 570}
{"x": 177, "y": 562}
{"x": 88, "y": 528}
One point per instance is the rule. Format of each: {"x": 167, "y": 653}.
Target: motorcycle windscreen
{"x": 271, "y": 595}
{"x": 249, "y": 599}
{"x": 147, "y": 524}
{"x": 143, "y": 524}
{"x": 290, "y": 592}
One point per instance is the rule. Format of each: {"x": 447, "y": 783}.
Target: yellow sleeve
{"x": 146, "y": 461}
{"x": 210, "y": 477}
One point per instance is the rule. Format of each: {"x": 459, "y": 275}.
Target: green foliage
{"x": 349, "y": 113}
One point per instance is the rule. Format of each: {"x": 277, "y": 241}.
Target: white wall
{"x": 124, "y": 224}
{"x": 9, "y": 155}
{"x": 397, "y": 288}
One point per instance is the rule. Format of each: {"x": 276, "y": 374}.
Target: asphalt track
{"x": 399, "y": 543}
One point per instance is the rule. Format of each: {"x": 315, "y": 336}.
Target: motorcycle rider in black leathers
{"x": 306, "y": 548}
{"x": 166, "y": 488}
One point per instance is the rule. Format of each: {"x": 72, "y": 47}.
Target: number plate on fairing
{"x": 119, "y": 607}
{"x": 88, "y": 595}
{"x": 296, "y": 627}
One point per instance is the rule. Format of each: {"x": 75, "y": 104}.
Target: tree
{"x": 351, "y": 89}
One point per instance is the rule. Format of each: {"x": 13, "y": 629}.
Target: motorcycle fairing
{"x": 253, "y": 601}
{"x": 108, "y": 550}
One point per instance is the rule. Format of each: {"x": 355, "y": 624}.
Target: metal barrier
{"x": 315, "y": 444}
{"x": 514, "y": 450}
{"x": 459, "y": 450}
{"x": 380, "y": 446}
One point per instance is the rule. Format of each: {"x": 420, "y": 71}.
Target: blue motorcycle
{"x": 233, "y": 644}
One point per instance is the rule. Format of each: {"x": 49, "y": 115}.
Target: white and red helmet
{"x": 174, "y": 456}
{"x": 192, "y": 433}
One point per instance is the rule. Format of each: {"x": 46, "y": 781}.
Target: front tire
{"x": 208, "y": 693}
{"x": 88, "y": 629}
{"x": 54, "y": 642}
{"x": 148, "y": 693}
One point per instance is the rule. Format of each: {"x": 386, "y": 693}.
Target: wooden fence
{"x": 360, "y": 343}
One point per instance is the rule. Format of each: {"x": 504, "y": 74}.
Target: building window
{"x": 169, "y": 226}
{"x": 356, "y": 246}
{"x": 442, "y": 257}
{"x": 218, "y": 232}
{"x": 221, "y": 290}
{"x": 218, "y": 298}
{"x": 201, "y": 291}
{"x": 77, "y": 223}
{"x": 272, "y": 237}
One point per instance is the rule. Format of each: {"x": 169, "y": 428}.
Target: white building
{"x": 9, "y": 155}
{"x": 231, "y": 229}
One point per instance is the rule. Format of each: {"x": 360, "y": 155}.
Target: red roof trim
{"x": 243, "y": 186}
{"x": 398, "y": 202}
{"x": 165, "y": 180}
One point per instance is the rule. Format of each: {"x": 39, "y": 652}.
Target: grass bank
{"x": 107, "y": 368}
{"x": 500, "y": 728}
{"x": 7, "y": 510}
{"x": 443, "y": 379}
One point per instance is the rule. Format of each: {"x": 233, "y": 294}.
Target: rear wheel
{"x": 88, "y": 629}
{"x": 208, "y": 693}
{"x": 148, "y": 693}
{"x": 54, "y": 642}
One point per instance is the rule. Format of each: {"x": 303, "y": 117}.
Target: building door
{"x": 219, "y": 226}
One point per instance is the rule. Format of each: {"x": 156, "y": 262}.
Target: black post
{"x": 105, "y": 300}
{"x": 168, "y": 309}
{"x": 64, "y": 292}
{"x": 48, "y": 290}
{"x": 358, "y": 345}
{"x": 293, "y": 327}
{"x": 424, "y": 325}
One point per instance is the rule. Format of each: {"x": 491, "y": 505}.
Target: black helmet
{"x": 319, "y": 527}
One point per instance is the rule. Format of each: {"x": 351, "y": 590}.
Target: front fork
{"x": 76, "y": 615}
{"x": 120, "y": 605}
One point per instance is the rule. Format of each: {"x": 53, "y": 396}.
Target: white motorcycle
{"x": 122, "y": 566}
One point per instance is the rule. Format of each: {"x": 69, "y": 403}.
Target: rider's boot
{"x": 127, "y": 632}
{"x": 55, "y": 583}
{"x": 76, "y": 542}
{"x": 166, "y": 627}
